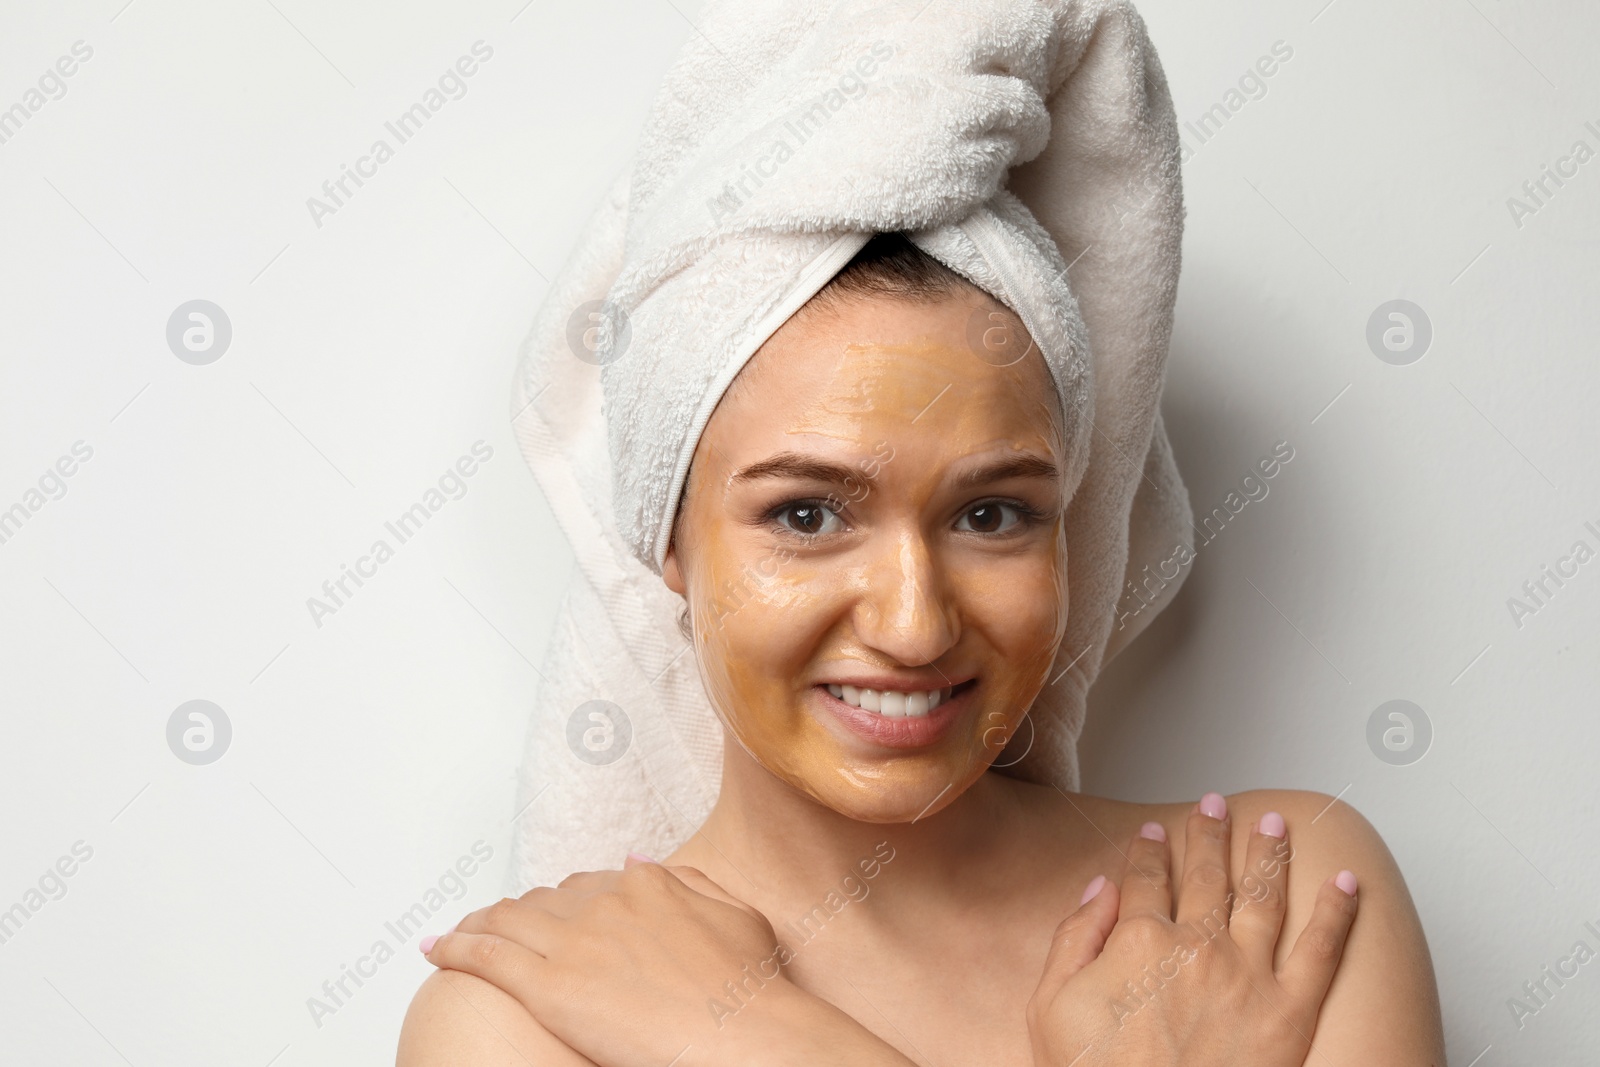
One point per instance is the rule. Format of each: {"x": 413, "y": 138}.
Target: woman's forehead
{"x": 884, "y": 367}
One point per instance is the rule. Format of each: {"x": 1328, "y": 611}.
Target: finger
{"x": 1320, "y": 946}
{"x": 700, "y": 882}
{"x": 588, "y": 880}
{"x": 697, "y": 880}
{"x": 1203, "y": 892}
{"x": 1146, "y": 886}
{"x": 519, "y": 920}
{"x": 562, "y": 903}
{"x": 653, "y": 877}
{"x": 1258, "y": 908}
{"x": 1081, "y": 936}
{"x": 496, "y": 960}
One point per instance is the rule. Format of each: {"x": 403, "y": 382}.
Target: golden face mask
{"x": 874, "y": 554}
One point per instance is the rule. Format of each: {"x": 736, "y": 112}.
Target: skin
{"x": 941, "y": 957}
{"x": 914, "y": 576}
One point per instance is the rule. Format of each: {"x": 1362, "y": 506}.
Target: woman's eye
{"x": 990, "y": 518}
{"x": 808, "y": 517}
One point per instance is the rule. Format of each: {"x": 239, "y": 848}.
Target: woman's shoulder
{"x": 1324, "y": 828}
{"x": 1325, "y": 835}
{"x": 458, "y": 1018}
{"x": 1383, "y": 1006}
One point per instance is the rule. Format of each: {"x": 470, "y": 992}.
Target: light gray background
{"x": 369, "y": 754}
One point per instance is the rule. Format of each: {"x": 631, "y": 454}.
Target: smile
{"x": 897, "y": 718}
{"x": 892, "y": 703}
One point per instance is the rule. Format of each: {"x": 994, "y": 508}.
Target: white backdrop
{"x": 155, "y": 910}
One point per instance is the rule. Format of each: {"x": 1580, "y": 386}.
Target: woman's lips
{"x": 905, "y": 731}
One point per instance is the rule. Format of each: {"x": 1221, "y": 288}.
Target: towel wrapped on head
{"x": 1029, "y": 146}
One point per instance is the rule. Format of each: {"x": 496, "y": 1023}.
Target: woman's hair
{"x": 889, "y": 264}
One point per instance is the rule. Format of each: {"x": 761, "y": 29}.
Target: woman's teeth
{"x": 892, "y": 703}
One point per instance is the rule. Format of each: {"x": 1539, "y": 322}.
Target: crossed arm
{"x": 1374, "y": 1004}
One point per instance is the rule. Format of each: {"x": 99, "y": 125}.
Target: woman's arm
{"x": 1383, "y": 1005}
{"x": 618, "y": 965}
{"x": 459, "y": 1020}
{"x": 624, "y": 964}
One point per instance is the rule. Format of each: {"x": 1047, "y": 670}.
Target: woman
{"x": 943, "y": 581}
{"x": 895, "y": 488}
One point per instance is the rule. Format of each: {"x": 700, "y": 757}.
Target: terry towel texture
{"x": 1030, "y": 146}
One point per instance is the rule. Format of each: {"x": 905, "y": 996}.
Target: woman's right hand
{"x": 1128, "y": 984}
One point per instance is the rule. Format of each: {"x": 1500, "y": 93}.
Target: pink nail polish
{"x": 1092, "y": 890}
{"x": 1153, "y": 831}
{"x": 427, "y": 943}
{"x": 1272, "y": 824}
{"x": 1345, "y": 881}
{"x": 452, "y": 928}
{"x": 1214, "y": 805}
{"x": 640, "y": 857}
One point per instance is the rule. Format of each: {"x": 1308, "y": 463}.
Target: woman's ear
{"x": 670, "y": 573}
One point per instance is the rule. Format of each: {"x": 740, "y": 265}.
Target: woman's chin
{"x": 900, "y": 799}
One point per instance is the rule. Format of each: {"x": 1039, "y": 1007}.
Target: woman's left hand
{"x": 648, "y": 966}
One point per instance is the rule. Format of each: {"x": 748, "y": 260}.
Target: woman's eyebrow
{"x": 795, "y": 465}
{"x": 1023, "y": 465}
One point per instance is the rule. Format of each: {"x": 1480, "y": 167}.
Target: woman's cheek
{"x": 756, "y": 628}
{"x": 1024, "y": 608}
{"x": 1029, "y": 629}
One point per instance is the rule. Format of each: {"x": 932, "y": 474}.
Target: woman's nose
{"x": 906, "y": 611}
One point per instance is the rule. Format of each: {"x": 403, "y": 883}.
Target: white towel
{"x": 1030, "y": 146}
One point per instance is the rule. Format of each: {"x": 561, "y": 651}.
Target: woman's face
{"x": 874, "y": 517}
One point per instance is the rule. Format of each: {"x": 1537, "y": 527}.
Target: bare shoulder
{"x": 458, "y": 1019}
{"x": 1383, "y": 1006}
{"x": 1331, "y": 818}
{"x": 1326, "y": 835}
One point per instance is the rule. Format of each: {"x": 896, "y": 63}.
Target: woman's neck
{"x": 776, "y": 847}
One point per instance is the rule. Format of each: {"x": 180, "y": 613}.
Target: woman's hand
{"x": 653, "y": 965}
{"x": 1127, "y": 984}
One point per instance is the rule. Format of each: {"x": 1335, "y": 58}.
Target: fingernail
{"x": 1272, "y": 824}
{"x": 427, "y": 943}
{"x": 1345, "y": 881}
{"x": 640, "y": 857}
{"x": 1214, "y": 805}
{"x": 1092, "y": 890}
{"x": 452, "y": 927}
{"x": 1153, "y": 831}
